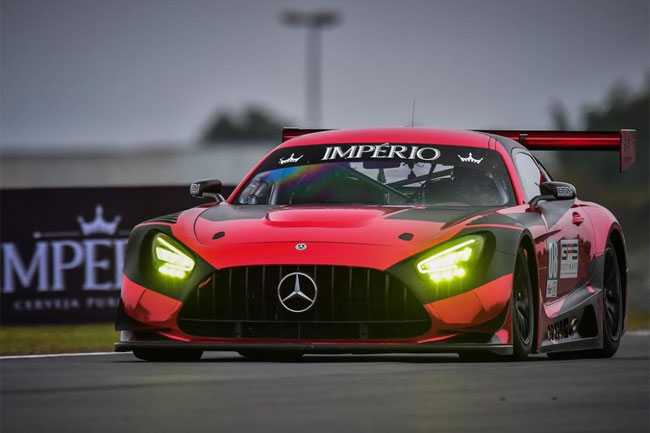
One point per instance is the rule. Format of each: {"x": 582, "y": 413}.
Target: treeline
{"x": 595, "y": 174}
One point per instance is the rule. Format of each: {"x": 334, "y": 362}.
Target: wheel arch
{"x": 615, "y": 236}
{"x": 527, "y": 243}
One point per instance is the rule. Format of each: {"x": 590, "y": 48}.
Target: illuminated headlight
{"x": 453, "y": 259}
{"x": 169, "y": 259}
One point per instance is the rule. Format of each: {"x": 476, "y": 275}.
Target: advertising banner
{"x": 62, "y": 249}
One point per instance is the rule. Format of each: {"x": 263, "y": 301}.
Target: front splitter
{"x": 325, "y": 348}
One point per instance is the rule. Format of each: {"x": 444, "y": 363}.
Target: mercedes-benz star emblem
{"x": 297, "y": 292}
{"x": 301, "y": 247}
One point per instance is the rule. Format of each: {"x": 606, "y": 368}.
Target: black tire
{"x": 271, "y": 355}
{"x": 523, "y": 309}
{"x": 613, "y": 313}
{"x": 168, "y": 355}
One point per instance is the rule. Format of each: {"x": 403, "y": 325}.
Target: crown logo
{"x": 470, "y": 159}
{"x": 290, "y": 159}
{"x": 99, "y": 224}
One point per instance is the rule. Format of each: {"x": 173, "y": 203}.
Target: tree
{"x": 252, "y": 123}
{"x": 595, "y": 174}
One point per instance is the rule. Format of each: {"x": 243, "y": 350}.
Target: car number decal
{"x": 551, "y": 281}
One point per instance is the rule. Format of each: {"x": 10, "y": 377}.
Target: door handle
{"x": 577, "y": 219}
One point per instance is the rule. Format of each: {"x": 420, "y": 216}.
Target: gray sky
{"x": 133, "y": 71}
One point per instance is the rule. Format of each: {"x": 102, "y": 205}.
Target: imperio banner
{"x": 62, "y": 249}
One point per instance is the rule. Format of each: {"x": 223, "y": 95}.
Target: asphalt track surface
{"x": 378, "y": 393}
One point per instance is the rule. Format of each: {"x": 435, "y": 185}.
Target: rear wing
{"x": 289, "y": 133}
{"x": 623, "y": 141}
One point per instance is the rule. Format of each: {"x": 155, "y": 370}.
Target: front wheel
{"x": 523, "y": 312}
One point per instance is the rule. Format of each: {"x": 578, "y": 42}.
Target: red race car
{"x": 385, "y": 240}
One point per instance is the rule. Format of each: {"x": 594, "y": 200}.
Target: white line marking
{"x": 58, "y": 355}
{"x": 638, "y": 333}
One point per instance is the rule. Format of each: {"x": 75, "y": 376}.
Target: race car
{"x": 387, "y": 240}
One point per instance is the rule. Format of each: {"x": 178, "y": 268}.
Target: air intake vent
{"x": 169, "y": 219}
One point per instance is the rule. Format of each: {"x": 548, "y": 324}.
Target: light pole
{"x": 313, "y": 22}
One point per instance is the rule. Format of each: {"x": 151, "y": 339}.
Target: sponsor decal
{"x": 381, "y": 151}
{"x": 62, "y": 249}
{"x": 195, "y": 188}
{"x": 58, "y": 252}
{"x": 551, "y": 281}
{"x": 569, "y": 258}
{"x": 564, "y": 191}
{"x": 551, "y": 289}
{"x": 95, "y": 249}
{"x": 290, "y": 159}
{"x": 470, "y": 159}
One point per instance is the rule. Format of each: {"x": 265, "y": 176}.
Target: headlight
{"x": 452, "y": 260}
{"x": 169, "y": 259}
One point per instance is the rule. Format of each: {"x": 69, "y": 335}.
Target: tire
{"x": 271, "y": 355}
{"x": 613, "y": 313}
{"x": 523, "y": 312}
{"x": 168, "y": 355}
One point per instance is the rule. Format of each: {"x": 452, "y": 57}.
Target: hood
{"x": 363, "y": 236}
{"x": 369, "y": 225}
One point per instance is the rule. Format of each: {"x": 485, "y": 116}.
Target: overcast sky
{"x": 134, "y": 71}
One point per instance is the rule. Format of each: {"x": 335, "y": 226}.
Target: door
{"x": 568, "y": 230}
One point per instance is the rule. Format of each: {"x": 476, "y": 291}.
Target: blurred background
{"x": 155, "y": 93}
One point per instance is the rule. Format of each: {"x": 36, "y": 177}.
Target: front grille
{"x": 352, "y": 303}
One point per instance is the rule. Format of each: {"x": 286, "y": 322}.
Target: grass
{"x": 26, "y": 340}
{"x": 638, "y": 320}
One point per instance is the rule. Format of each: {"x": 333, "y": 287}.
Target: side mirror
{"x": 554, "y": 191}
{"x": 207, "y": 188}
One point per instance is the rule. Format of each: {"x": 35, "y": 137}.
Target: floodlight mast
{"x": 313, "y": 22}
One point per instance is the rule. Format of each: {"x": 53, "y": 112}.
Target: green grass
{"x": 638, "y": 320}
{"x": 26, "y": 340}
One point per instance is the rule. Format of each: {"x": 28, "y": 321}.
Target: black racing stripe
{"x": 579, "y": 293}
{"x": 496, "y": 218}
{"x": 554, "y": 210}
{"x": 527, "y": 219}
{"x": 235, "y": 212}
{"x": 440, "y": 215}
{"x": 171, "y": 218}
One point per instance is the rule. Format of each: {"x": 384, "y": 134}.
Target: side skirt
{"x": 578, "y": 326}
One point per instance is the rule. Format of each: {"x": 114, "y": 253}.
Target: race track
{"x": 378, "y": 393}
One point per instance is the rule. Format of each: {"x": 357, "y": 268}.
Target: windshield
{"x": 380, "y": 174}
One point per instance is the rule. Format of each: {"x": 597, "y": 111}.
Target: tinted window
{"x": 380, "y": 174}
{"x": 529, "y": 174}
